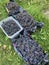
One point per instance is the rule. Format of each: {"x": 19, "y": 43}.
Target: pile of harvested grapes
{"x": 31, "y": 52}
{"x": 23, "y": 17}
{"x": 10, "y": 27}
{"x": 26, "y": 21}
{"x": 12, "y": 8}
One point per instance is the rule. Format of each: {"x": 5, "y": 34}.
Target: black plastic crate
{"x": 12, "y": 8}
{"x": 29, "y": 50}
{"x": 28, "y": 22}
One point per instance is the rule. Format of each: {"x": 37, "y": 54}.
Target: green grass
{"x": 35, "y": 9}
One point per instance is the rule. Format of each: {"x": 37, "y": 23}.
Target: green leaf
{"x": 9, "y": 47}
{"x": 9, "y": 59}
{"x": 6, "y": 38}
{"x": 0, "y": 45}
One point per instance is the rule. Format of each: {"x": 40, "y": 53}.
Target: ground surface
{"x": 36, "y": 8}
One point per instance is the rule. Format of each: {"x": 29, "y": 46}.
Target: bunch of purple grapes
{"x": 31, "y": 52}
{"x": 26, "y": 21}
{"x": 13, "y": 8}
